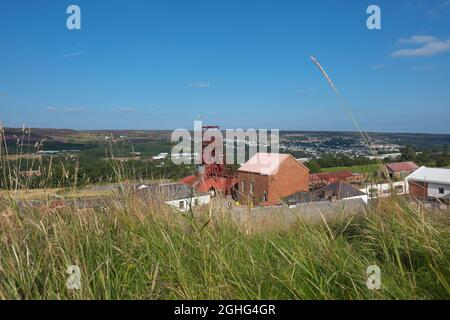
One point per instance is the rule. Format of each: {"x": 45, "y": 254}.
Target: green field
{"x": 371, "y": 168}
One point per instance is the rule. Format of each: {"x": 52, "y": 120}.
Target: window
{"x": 252, "y": 187}
{"x": 243, "y": 186}
{"x": 181, "y": 204}
{"x": 399, "y": 189}
{"x": 441, "y": 190}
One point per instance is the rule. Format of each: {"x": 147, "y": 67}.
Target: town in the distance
{"x": 311, "y": 167}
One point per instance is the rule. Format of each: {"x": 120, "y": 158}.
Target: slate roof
{"x": 340, "y": 190}
{"x": 167, "y": 192}
{"x": 301, "y": 197}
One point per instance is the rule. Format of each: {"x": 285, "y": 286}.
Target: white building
{"x": 176, "y": 195}
{"x": 430, "y": 183}
{"x": 382, "y": 190}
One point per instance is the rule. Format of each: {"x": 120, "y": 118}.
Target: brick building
{"x": 319, "y": 180}
{"x": 397, "y": 170}
{"x": 266, "y": 178}
{"x": 430, "y": 183}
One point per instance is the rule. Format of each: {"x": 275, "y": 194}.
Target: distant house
{"x": 430, "y": 183}
{"x": 318, "y": 180}
{"x": 266, "y": 178}
{"x": 397, "y": 170}
{"x": 177, "y": 195}
{"x": 382, "y": 190}
{"x": 338, "y": 190}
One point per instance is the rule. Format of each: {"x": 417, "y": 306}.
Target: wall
{"x": 291, "y": 177}
{"x": 266, "y": 218}
{"x": 261, "y": 186}
{"x": 384, "y": 189}
{"x": 189, "y": 202}
{"x": 418, "y": 189}
{"x": 433, "y": 190}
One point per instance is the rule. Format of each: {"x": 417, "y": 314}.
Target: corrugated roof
{"x": 331, "y": 175}
{"x": 401, "y": 166}
{"x": 433, "y": 175}
{"x": 265, "y": 163}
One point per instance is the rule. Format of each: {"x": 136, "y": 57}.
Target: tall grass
{"x": 136, "y": 251}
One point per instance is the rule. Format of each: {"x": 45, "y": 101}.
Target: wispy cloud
{"x": 72, "y": 54}
{"x": 428, "y": 46}
{"x": 51, "y": 109}
{"x": 74, "y": 109}
{"x": 430, "y": 9}
{"x": 126, "y": 109}
{"x": 379, "y": 66}
{"x": 55, "y": 109}
{"x": 417, "y": 39}
{"x": 200, "y": 85}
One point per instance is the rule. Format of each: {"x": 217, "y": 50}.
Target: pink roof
{"x": 264, "y": 163}
{"x": 401, "y": 166}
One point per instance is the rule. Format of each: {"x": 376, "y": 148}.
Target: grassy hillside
{"x": 136, "y": 251}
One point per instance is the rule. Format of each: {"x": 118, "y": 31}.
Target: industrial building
{"x": 267, "y": 178}
{"x": 430, "y": 183}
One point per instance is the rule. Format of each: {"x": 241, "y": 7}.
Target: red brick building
{"x": 267, "y": 178}
{"x": 397, "y": 170}
{"x": 319, "y": 180}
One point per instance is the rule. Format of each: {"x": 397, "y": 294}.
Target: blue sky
{"x": 237, "y": 63}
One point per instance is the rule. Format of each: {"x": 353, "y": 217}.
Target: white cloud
{"x": 55, "y": 109}
{"x": 72, "y": 54}
{"x": 430, "y": 46}
{"x": 74, "y": 109}
{"x": 200, "y": 85}
{"x": 126, "y": 109}
{"x": 418, "y": 39}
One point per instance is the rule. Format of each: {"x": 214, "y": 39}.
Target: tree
{"x": 313, "y": 166}
{"x": 408, "y": 154}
